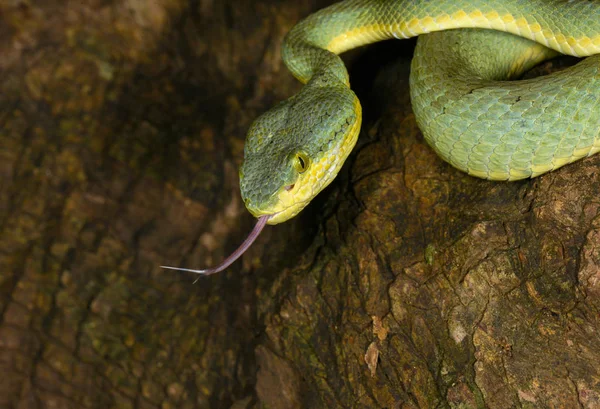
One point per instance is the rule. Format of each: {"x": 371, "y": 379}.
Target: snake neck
{"x": 308, "y": 62}
{"x": 312, "y": 46}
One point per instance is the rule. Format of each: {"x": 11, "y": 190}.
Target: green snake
{"x": 465, "y": 105}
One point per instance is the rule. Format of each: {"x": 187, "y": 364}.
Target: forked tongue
{"x": 262, "y": 221}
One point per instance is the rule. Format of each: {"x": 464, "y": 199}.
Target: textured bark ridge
{"x": 406, "y": 284}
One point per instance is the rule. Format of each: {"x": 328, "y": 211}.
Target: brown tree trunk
{"x": 406, "y": 284}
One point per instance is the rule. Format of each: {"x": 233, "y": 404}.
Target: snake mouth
{"x": 284, "y": 205}
{"x": 287, "y": 204}
{"x": 279, "y": 216}
{"x": 287, "y": 213}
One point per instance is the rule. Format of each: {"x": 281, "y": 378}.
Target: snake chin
{"x": 284, "y": 208}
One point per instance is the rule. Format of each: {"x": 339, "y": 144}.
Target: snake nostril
{"x": 289, "y": 187}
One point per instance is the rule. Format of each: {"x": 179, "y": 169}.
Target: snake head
{"x": 296, "y": 149}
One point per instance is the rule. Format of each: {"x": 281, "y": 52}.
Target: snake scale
{"x": 465, "y": 104}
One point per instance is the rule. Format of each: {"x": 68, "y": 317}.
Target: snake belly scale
{"x": 465, "y": 105}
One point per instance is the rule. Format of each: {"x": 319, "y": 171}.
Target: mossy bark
{"x": 406, "y": 284}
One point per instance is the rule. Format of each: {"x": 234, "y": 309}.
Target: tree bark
{"x": 406, "y": 284}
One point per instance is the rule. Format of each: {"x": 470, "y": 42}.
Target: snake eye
{"x": 301, "y": 162}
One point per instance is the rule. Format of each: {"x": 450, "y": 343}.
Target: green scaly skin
{"x": 489, "y": 128}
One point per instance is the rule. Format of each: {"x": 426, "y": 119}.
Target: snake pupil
{"x": 301, "y": 163}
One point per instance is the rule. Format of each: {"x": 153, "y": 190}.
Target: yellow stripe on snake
{"x": 466, "y": 108}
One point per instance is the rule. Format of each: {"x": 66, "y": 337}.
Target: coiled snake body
{"x": 467, "y": 110}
